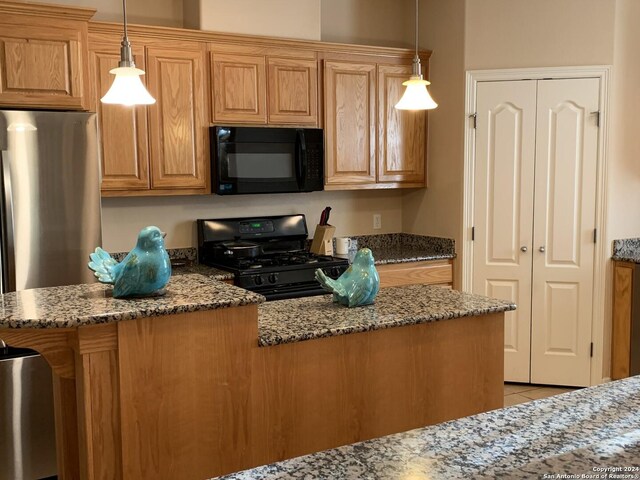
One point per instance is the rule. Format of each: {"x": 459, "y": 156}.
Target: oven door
{"x": 247, "y": 162}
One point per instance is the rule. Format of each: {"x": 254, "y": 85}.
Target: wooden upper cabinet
{"x": 293, "y": 91}
{"x": 402, "y": 134}
{"x": 178, "y": 120}
{"x": 43, "y": 57}
{"x": 123, "y": 130}
{"x": 239, "y": 88}
{"x": 350, "y": 123}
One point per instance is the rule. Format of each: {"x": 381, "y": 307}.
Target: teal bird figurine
{"x": 144, "y": 271}
{"x": 358, "y": 285}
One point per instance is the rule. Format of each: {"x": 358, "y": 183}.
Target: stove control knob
{"x": 273, "y": 278}
{"x": 335, "y": 272}
{"x": 257, "y": 280}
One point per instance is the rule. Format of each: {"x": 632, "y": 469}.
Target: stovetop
{"x": 284, "y": 269}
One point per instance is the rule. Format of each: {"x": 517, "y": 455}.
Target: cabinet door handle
{"x": 523, "y": 248}
{"x": 542, "y": 249}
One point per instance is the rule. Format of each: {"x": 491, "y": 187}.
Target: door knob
{"x": 542, "y": 249}
{"x": 524, "y": 249}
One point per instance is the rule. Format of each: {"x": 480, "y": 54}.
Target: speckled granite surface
{"x": 627, "y": 250}
{"x": 75, "y": 305}
{"x": 210, "y": 272}
{"x": 406, "y": 247}
{"x": 188, "y": 253}
{"x": 297, "y": 319}
{"x": 584, "y": 432}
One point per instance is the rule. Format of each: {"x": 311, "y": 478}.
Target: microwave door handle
{"x": 7, "y": 254}
{"x": 301, "y": 159}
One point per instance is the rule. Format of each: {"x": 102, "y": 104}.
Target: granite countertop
{"x": 626, "y": 250}
{"x": 298, "y": 319}
{"x": 75, "y": 305}
{"x": 211, "y": 272}
{"x": 406, "y": 247}
{"x": 588, "y": 432}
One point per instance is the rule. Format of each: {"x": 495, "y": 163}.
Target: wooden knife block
{"x": 322, "y": 243}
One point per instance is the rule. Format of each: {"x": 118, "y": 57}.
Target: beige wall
{"x": 277, "y": 18}
{"x": 351, "y": 213}
{"x": 538, "y": 33}
{"x": 152, "y": 12}
{"x": 369, "y": 22}
{"x": 438, "y": 210}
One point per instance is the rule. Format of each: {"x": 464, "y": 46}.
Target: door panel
{"x": 177, "y": 121}
{"x": 123, "y": 130}
{"x": 293, "y": 91}
{"x": 503, "y": 202}
{"x": 564, "y": 219}
{"x": 350, "y": 136}
{"x": 402, "y": 135}
{"x": 239, "y": 91}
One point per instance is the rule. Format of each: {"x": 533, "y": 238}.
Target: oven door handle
{"x": 301, "y": 159}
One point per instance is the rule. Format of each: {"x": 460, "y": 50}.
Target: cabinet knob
{"x": 524, "y": 248}
{"x": 542, "y": 249}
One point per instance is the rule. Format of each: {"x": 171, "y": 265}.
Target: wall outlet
{"x": 377, "y": 221}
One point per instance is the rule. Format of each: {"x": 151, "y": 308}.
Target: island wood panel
{"x": 123, "y": 130}
{"x": 185, "y": 393}
{"x": 239, "y": 90}
{"x": 314, "y": 395}
{"x": 192, "y": 396}
{"x": 402, "y": 134}
{"x": 43, "y": 59}
{"x": 178, "y": 128}
{"x": 414, "y": 273}
{"x": 293, "y": 91}
{"x": 621, "y": 321}
{"x": 350, "y": 123}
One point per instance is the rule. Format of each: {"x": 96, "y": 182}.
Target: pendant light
{"x": 127, "y": 88}
{"x": 416, "y": 96}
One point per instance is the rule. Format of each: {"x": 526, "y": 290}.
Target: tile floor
{"x": 515, "y": 393}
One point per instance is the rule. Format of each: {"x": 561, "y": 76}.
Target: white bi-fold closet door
{"x": 534, "y": 221}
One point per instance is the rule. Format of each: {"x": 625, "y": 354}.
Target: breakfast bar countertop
{"x": 298, "y": 319}
{"x": 581, "y": 434}
{"x": 76, "y": 305}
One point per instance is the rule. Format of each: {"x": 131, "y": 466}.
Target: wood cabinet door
{"x": 293, "y": 91}
{"x": 239, "y": 88}
{"x": 42, "y": 67}
{"x": 178, "y": 124}
{"x": 402, "y": 134}
{"x": 124, "y": 151}
{"x": 350, "y": 123}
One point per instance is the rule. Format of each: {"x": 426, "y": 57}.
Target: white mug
{"x": 342, "y": 245}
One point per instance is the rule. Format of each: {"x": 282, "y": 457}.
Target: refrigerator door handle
{"x": 8, "y": 279}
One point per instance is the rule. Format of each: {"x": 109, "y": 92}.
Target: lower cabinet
{"x": 429, "y": 272}
{"x": 159, "y": 149}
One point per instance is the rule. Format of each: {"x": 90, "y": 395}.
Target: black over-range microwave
{"x": 266, "y": 160}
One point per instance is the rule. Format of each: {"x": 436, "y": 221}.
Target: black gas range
{"x": 267, "y": 255}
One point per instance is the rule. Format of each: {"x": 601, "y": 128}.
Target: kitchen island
{"x": 589, "y": 433}
{"x": 205, "y": 381}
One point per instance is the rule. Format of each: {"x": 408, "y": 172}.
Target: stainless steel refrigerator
{"x": 49, "y": 223}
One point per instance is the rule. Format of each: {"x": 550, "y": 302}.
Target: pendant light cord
{"x": 416, "y": 28}
{"x": 124, "y": 15}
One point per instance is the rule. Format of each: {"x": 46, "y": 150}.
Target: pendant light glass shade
{"x": 127, "y": 88}
{"x": 416, "y": 96}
